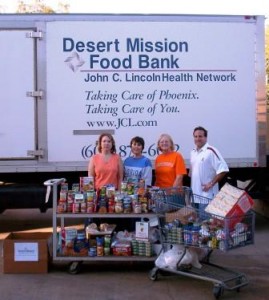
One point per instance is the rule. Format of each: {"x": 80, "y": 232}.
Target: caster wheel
{"x": 217, "y": 291}
{"x": 74, "y": 267}
{"x": 153, "y": 274}
{"x": 238, "y": 282}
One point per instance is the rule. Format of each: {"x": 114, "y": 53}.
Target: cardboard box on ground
{"x": 27, "y": 252}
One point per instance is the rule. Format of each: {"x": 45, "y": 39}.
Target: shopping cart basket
{"x": 188, "y": 235}
{"x": 179, "y": 196}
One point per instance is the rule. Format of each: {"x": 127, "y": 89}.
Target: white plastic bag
{"x": 170, "y": 258}
{"x": 178, "y": 255}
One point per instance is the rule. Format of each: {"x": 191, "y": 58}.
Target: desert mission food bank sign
{"x": 147, "y": 78}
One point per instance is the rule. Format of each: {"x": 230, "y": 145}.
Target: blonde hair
{"x": 165, "y": 135}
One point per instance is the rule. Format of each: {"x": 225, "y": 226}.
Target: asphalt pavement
{"x": 130, "y": 280}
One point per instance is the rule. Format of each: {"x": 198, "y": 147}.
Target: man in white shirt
{"x": 207, "y": 167}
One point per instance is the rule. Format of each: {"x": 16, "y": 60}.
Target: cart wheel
{"x": 217, "y": 291}
{"x": 74, "y": 267}
{"x": 153, "y": 274}
{"x": 238, "y": 282}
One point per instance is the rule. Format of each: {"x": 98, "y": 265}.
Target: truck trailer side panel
{"x": 135, "y": 75}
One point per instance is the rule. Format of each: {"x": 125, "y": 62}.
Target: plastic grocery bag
{"x": 178, "y": 256}
{"x": 170, "y": 258}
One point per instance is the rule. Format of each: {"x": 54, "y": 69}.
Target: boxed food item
{"x": 121, "y": 248}
{"x": 73, "y": 242}
{"x": 26, "y": 252}
{"x": 230, "y": 202}
{"x": 86, "y": 184}
{"x": 142, "y": 231}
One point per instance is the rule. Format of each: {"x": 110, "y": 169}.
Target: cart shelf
{"x": 109, "y": 258}
{"x": 105, "y": 216}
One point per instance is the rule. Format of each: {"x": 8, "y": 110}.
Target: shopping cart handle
{"x": 50, "y": 183}
{"x": 54, "y": 181}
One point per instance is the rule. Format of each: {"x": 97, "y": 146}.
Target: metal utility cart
{"x": 207, "y": 233}
{"x": 61, "y": 219}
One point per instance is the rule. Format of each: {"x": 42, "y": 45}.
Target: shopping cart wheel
{"x": 74, "y": 267}
{"x": 217, "y": 291}
{"x": 153, "y": 274}
{"x": 238, "y": 282}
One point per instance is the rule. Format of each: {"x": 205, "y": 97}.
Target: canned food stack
{"x": 142, "y": 248}
{"x": 82, "y": 198}
{"x": 135, "y": 247}
{"x": 173, "y": 234}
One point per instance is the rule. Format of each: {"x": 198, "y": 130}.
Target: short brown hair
{"x": 138, "y": 140}
{"x": 201, "y": 129}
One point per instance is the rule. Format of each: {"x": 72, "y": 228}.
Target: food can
{"x": 107, "y": 241}
{"x": 107, "y": 251}
{"x": 90, "y": 196}
{"x": 92, "y": 251}
{"x": 61, "y": 208}
{"x": 90, "y": 207}
{"x": 100, "y": 250}
{"x": 76, "y": 208}
{"x": 83, "y": 207}
{"x": 103, "y": 191}
{"x": 124, "y": 186}
{"x": 141, "y": 183}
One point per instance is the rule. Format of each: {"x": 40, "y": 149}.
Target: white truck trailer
{"x": 67, "y": 78}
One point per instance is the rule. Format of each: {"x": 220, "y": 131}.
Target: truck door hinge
{"x": 38, "y": 94}
{"x": 35, "y": 34}
{"x": 36, "y": 153}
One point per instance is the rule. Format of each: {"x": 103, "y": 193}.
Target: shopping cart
{"x": 179, "y": 196}
{"x": 188, "y": 235}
